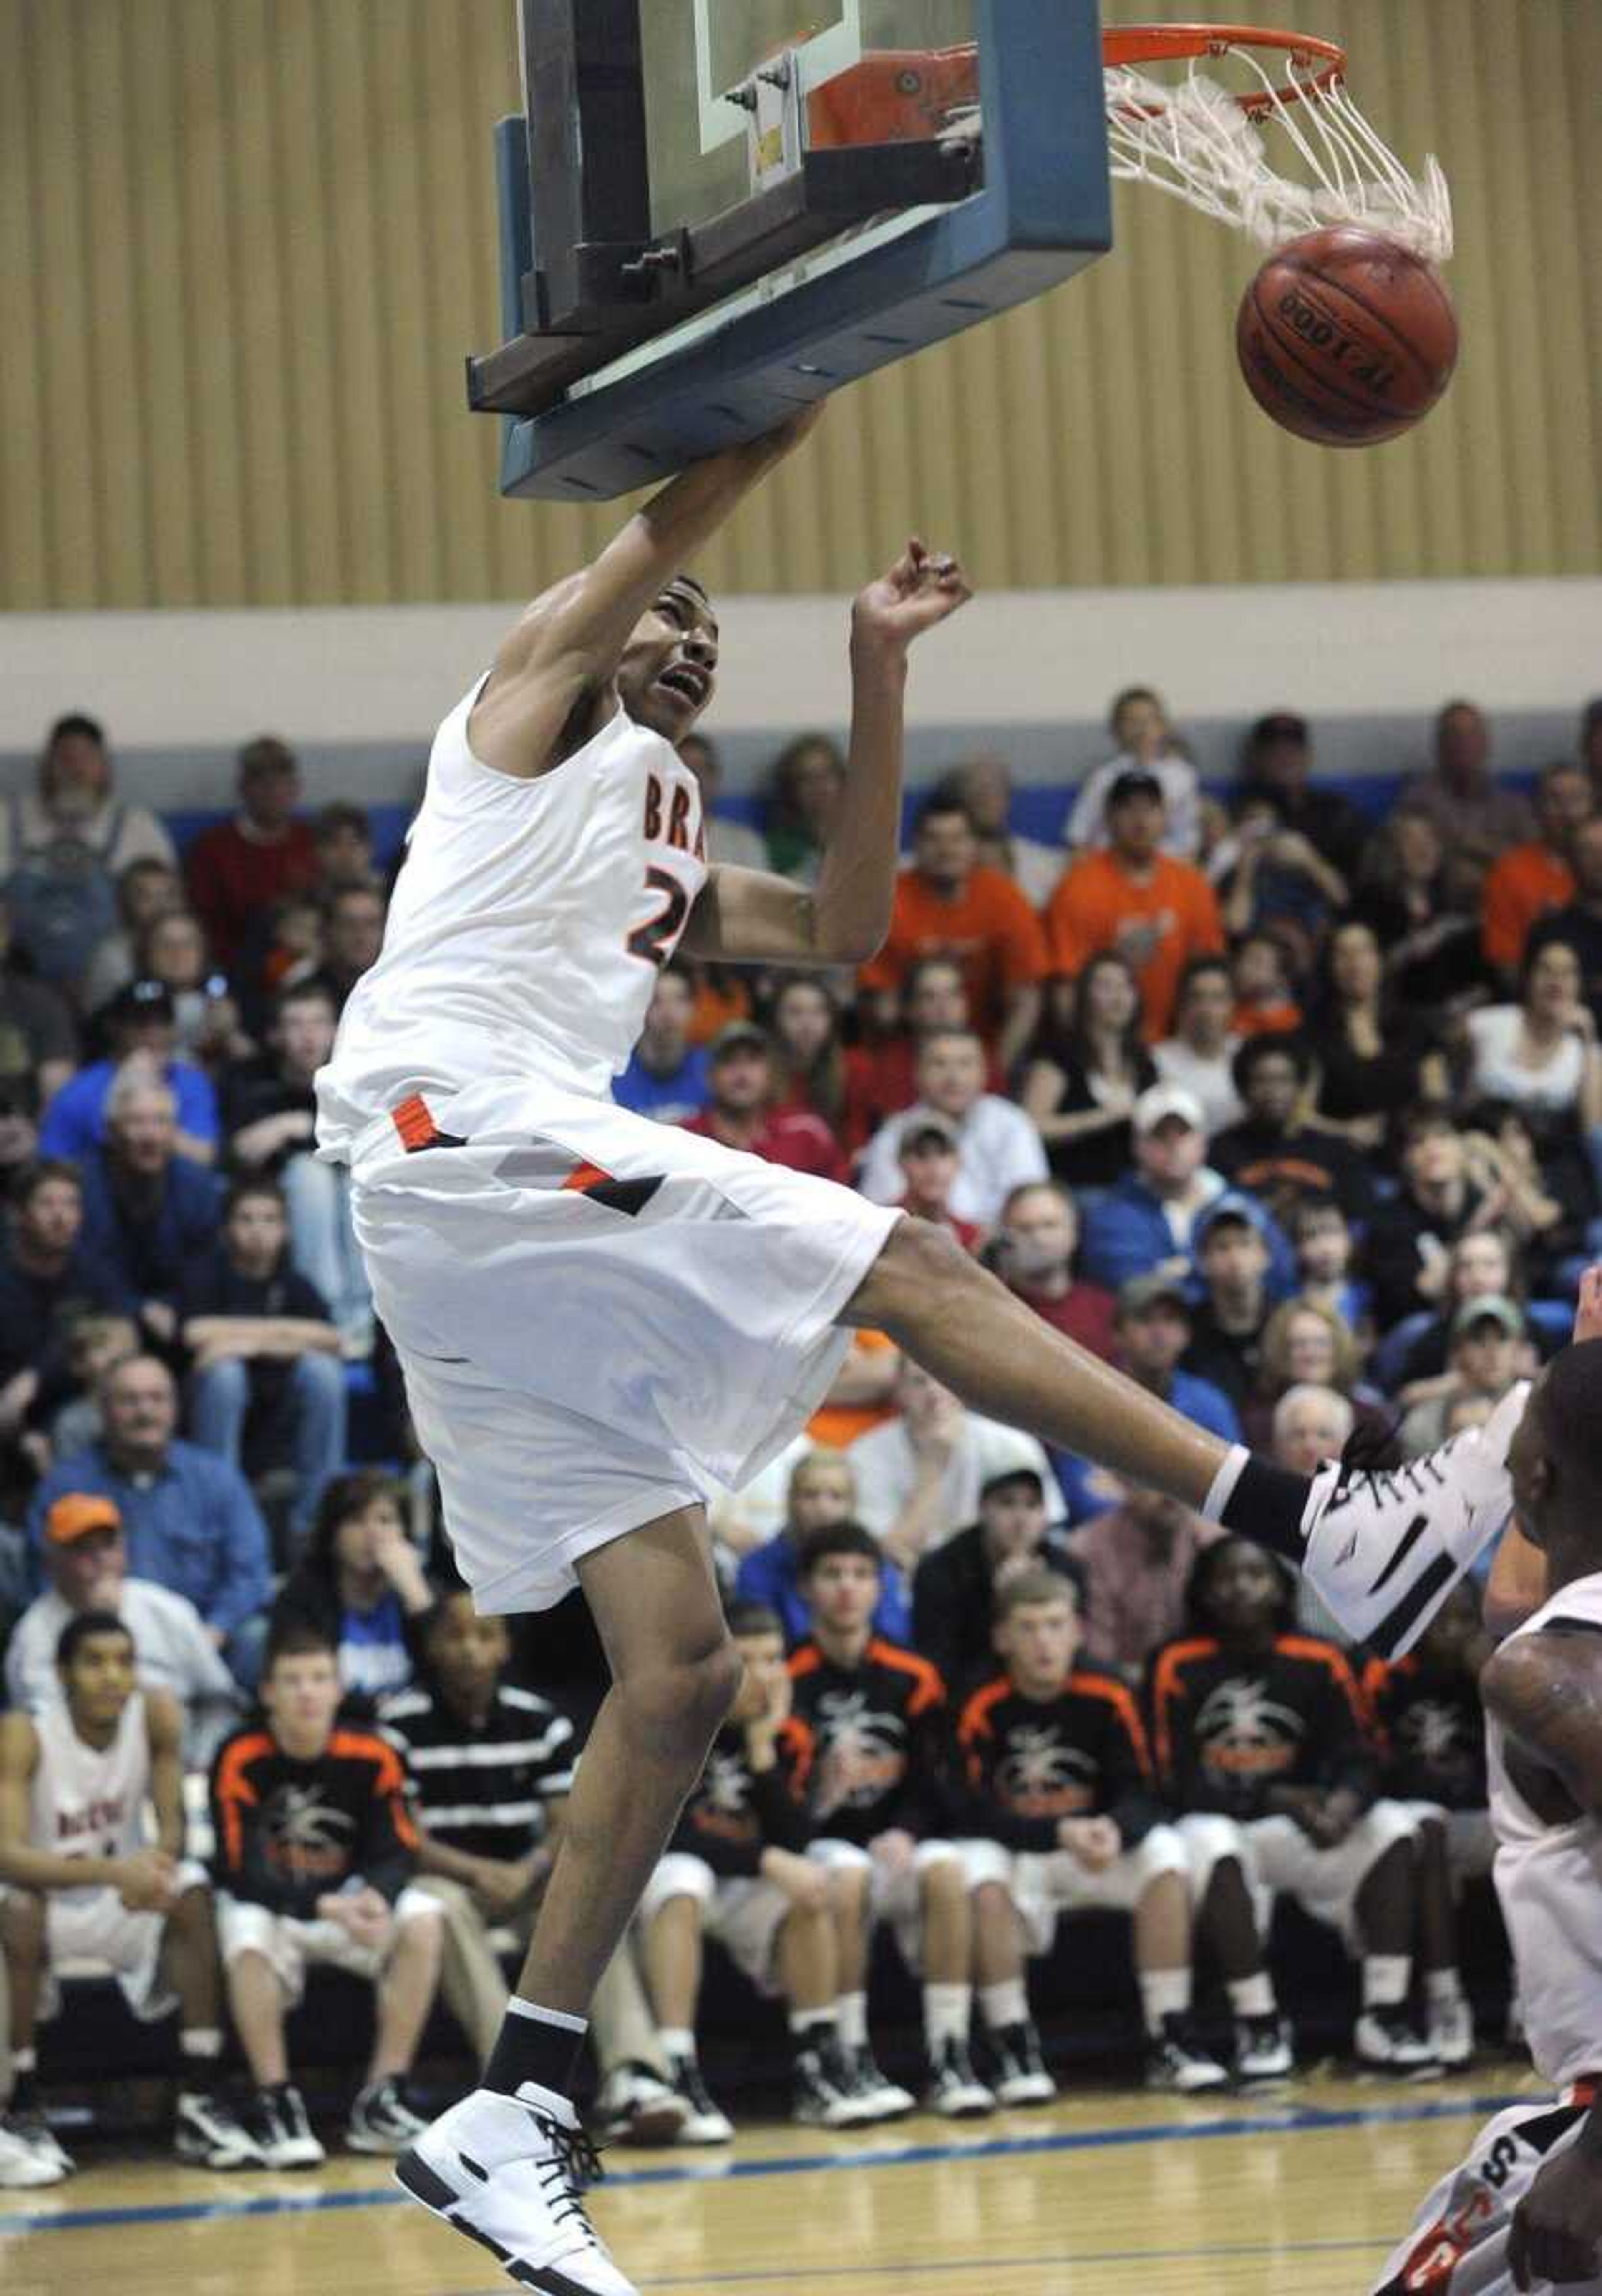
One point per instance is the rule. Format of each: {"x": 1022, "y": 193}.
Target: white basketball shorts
{"x": 1458, "y": 2243}
{"x": 599, "y": 1319}
{"x": 89, "y": 1930}
{"x": 744, "y": 1914}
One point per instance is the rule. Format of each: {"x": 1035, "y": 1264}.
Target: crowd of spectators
{"x": 1293, "y": 1111}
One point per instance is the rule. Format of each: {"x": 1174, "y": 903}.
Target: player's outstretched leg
{"x": 508, "y": 2164}
{"x": 1383, "y": 1550}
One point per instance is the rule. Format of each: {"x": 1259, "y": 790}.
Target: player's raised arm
{"x": 751, "y": 916}
{"x": 569, "y": 640}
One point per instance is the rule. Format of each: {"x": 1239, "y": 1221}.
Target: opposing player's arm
{"x": 751, "y": 916}
{"x": 569, "y": 640}
{"x": 1545, "y": 1689}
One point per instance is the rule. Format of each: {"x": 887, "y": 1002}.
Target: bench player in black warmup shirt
{"x": 314, "y": 1853}
{"x": 1430, "y": 1724}
{"x": 736, "y": 1870}
{"x": 1054, "y": 1791}
{"x": 1259, "y": 1726}
{"x": 878, "y": 1716}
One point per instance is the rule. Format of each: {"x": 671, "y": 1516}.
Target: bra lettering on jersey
{"x": 677, "y": 831}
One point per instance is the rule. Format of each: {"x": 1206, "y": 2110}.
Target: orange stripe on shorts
{"x": 583, "y": 1176}
{"x": 413, "y": 1121}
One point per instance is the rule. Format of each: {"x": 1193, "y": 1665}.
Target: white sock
{"x": 1442, "y": 1987}
{"x": 946, "y": 2012}
{"x": 1386, "y": 1979}
{"x": 25, "y": 2061}
{"x": 1004, "y": 2005}
{"x": 1252, "y": 1997}
{"x": 203, "y": 2043}
{"x": 820, "y": 2021}
{"x": 851, "y": 2019}
{"x": 1163, "y": 1993}
{"x": 678, "y": 2041}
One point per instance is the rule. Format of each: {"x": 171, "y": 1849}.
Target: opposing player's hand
{"x": 923, "y": 586}
{"x": 1558, "y": 2227}
{"x": 805, "y": 1884}
{"x": 1588, "y": 1315}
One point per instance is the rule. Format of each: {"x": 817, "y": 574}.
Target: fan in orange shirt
{"x": 1154, "y": 911}
{"x": 1531, "y": 879}
{"x": 948, "y": 904}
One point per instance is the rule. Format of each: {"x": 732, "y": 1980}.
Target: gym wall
{"x": 246, "y": 247}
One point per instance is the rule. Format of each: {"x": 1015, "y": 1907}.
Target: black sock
{"x": 25, "y": 2092}
{"x": 534, "y": 2044}
{"x": 1268, "y": 1503}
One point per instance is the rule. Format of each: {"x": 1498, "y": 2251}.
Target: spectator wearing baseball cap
{"x": 929, "y": 1152}
{"x": 1152, "y": 1331}
{"x": 142, "y": 1019}
{"x": 1276, "y": 763}
{"x": 954, "y": 1586}
{"x": 1144, "y": 1224}
{"x": 1487, "y": 1352}
{"x": 741, "y": 1084}
{"x": 1234, "y": 1263}
{"x": 1153, "y": 909}
{"x": 85, "y": 1560}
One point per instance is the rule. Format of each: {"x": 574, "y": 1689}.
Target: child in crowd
{"x": 875, "y": 1716}
{"x": 1057, "y": 1800}
{"x": 1325, "y": 1249}
{"x": 315, "y": 1858}
{"x": 736, "y": 1870}
{"x": 1431, "y": 1727}
{"x": 1256, "y": 1723}
{"x": 1265, "y": 1001}
{"x": 359, "y": 1581}
{"x": 85, "y": 1880}
{"x": 490, "y": 1768}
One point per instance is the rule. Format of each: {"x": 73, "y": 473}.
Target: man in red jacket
{"x": 741, "y": 1113}
{"x": 242, "y": 867}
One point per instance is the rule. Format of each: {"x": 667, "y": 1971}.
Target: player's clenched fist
{"x": 922, "y": 587}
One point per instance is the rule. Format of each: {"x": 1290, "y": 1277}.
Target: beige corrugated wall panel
{"x": 245, "y": 243}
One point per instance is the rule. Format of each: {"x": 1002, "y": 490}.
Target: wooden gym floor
{"x": 1108, "y": 2192}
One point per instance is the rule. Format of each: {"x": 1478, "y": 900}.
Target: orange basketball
{"x": 1346, "y": 337}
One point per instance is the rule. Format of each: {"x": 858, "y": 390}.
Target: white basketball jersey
{"x": 87, "y": 1803}
{"x": 527, "y": 927}
{"x": 1549, "y": 1879}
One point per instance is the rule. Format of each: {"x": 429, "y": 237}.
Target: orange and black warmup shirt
{"x": 878, "y": 1741}
{"x": 1025, "y": 1764}
{"x": 1432, "y": 1733}
{"x": 288, "y": 1832}
{"x": 1226, "y": 1727}
{"x": 735, "y": 1812}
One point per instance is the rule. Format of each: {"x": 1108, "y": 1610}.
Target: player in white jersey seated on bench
{"x": 87, "y": 1889}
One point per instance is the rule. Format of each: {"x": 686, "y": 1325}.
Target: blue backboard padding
{"x": 1045, "y": 213}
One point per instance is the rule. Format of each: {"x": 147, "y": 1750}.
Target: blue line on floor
{"x": 922, "y": 2270}
{"x": 1290, "y": 2119}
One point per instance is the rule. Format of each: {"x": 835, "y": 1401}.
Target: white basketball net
{"x": 1193, "y": 141}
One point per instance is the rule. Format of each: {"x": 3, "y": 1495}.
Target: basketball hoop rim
{"x": 1152, "y": 43}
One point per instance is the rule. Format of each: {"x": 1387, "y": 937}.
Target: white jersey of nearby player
{"x": 527, "y": 927}
{"x": 1549, "y": 1879}
{"x": 89, "y": 1803}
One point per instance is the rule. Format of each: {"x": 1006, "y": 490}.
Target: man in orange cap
{"x": 86, "y": 1566}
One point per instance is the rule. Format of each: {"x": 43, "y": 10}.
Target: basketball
{"x": 1346, "y": 337}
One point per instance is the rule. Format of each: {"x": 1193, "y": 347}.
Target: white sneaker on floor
{"x": 26, "y": 2163}
{"x": 510, "y": 2173}
{"x": 1451, "y": 2033}
{"x": 704, "y": 2121}
{"x": 1385, "y": 1550}
{"x": 1387, "y": 2042}
{"x": 636, "y": 2106}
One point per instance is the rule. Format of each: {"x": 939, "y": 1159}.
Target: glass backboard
{"x": 713, "y": 211}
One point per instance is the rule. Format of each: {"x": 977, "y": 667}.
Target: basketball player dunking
{"x": 601, "y": 1319}
{"x": 1524, "y": 2211}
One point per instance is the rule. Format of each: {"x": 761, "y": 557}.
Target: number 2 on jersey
{"x": 657, "y": 938}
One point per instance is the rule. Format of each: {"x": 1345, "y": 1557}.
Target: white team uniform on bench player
{"x": 599, "y": 1319}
